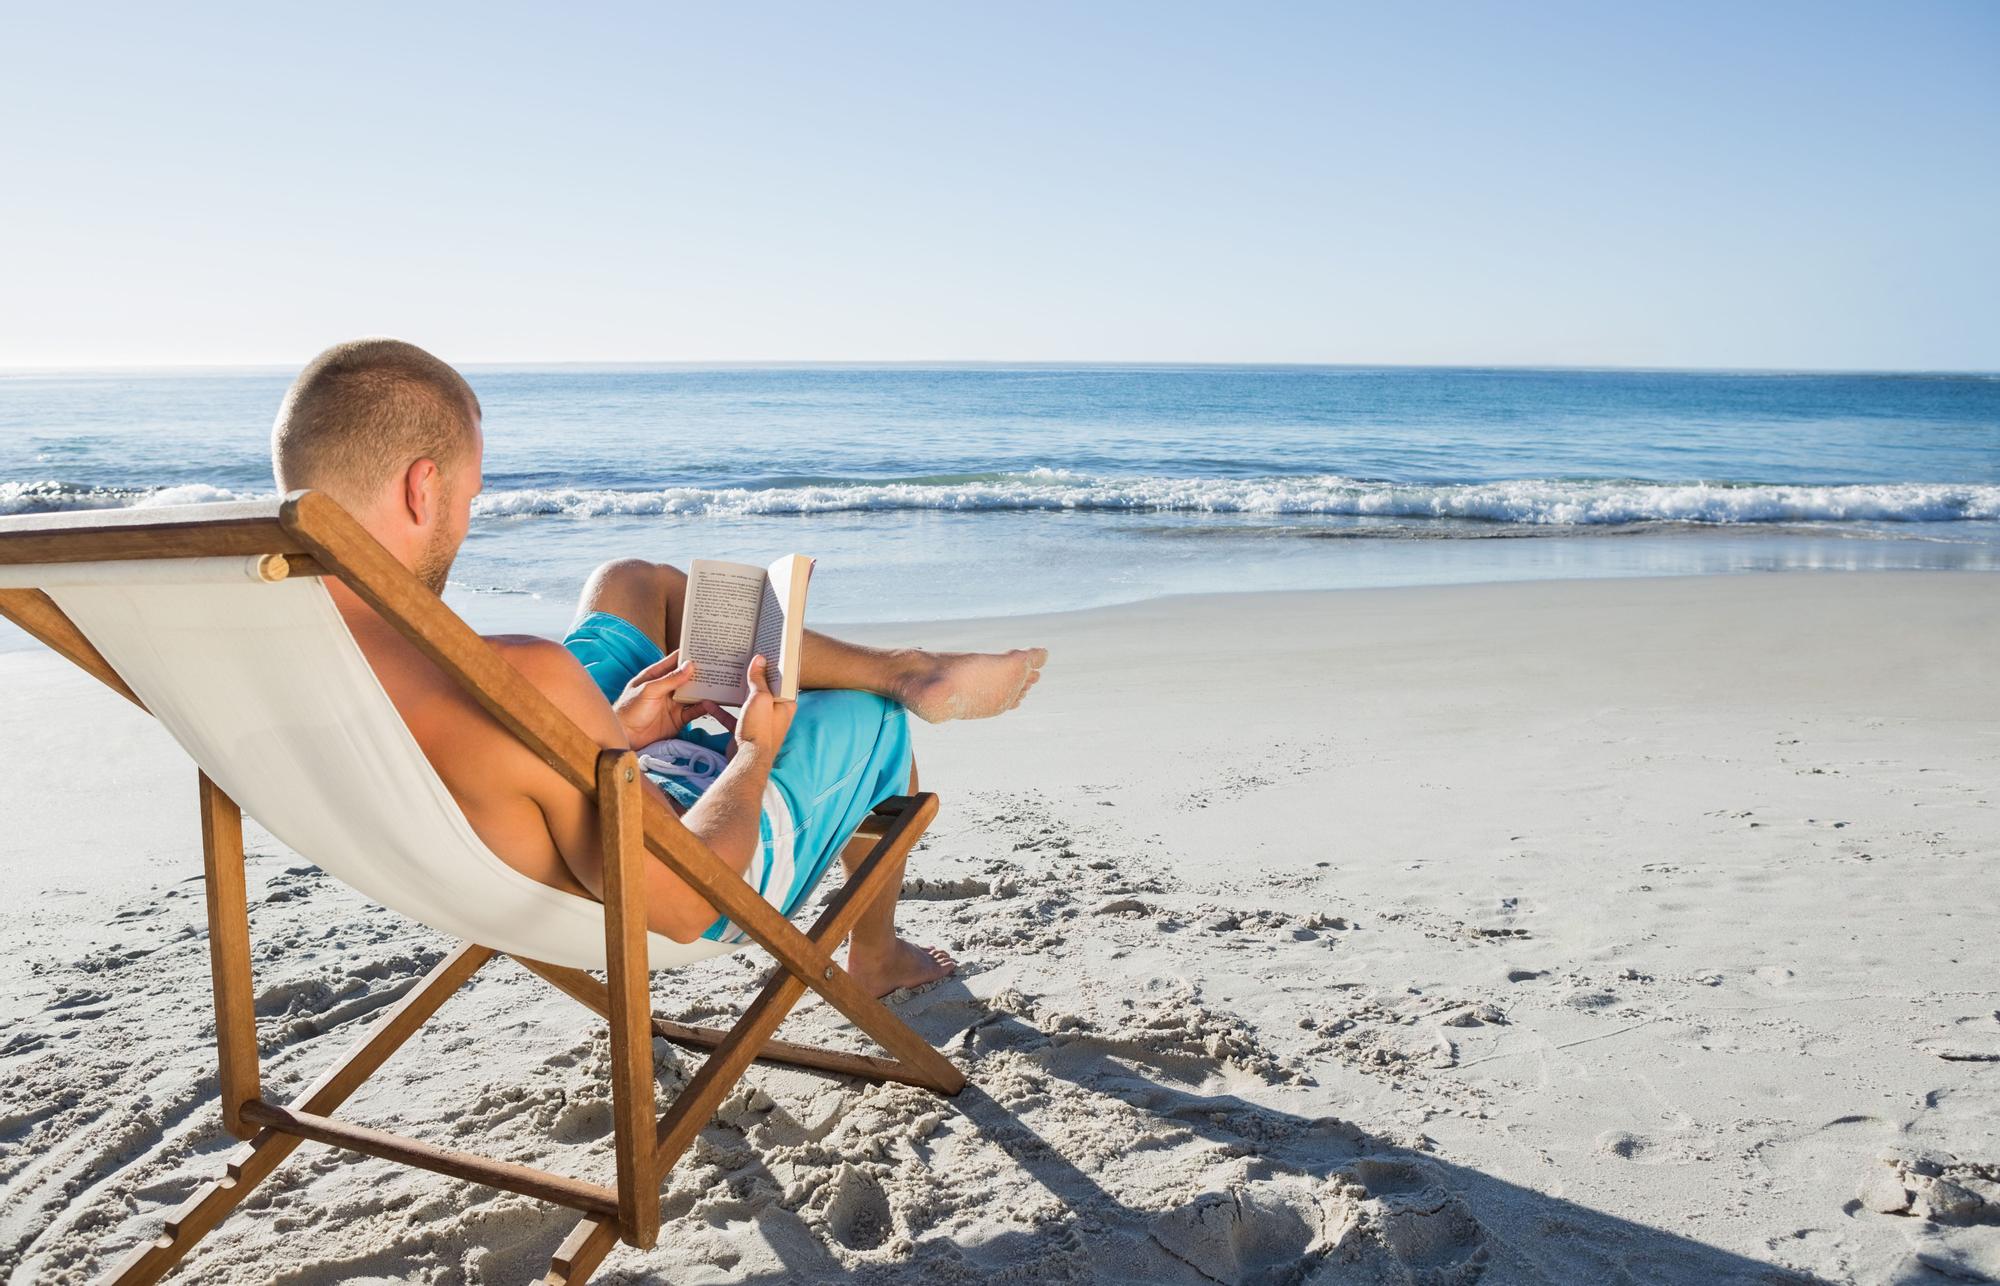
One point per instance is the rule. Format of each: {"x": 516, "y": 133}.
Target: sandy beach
{"x": 1606, "y": 931}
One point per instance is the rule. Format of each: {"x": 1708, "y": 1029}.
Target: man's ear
{"x": 422, "y": 490}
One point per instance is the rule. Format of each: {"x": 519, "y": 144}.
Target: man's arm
{"x": 728, "y": 813}
{"x": 726, "y": 817}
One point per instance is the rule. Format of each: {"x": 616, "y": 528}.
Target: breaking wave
{"x": 1533, "y": 502}
{"x": 1536, "y": 502}
{"x": 57, "y": 497}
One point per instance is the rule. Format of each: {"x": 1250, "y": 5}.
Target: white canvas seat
{"x": 267, "y": 691}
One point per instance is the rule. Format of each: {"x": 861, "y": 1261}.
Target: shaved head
{"x": 363, "y": 412}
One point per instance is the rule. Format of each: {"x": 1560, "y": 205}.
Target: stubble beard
{"x": 434, "y": 564}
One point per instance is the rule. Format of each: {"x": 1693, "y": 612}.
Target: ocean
{"x": 932, "y": 491}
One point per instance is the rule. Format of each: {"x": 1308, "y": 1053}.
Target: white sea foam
{"x": 57, "y": 497}
{"x": 1534, "y": 502}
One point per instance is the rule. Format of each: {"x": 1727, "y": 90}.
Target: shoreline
{"x": 15, "y": 642}
{"x": 1552, "y": 930}
{"x": 504, "y": 613}
{"x": 1216, "y": 599}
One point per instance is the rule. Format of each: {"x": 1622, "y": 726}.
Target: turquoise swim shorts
{"x": 846, "y": 752}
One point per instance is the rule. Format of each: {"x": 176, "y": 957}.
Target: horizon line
{"x": 193, "y": 368}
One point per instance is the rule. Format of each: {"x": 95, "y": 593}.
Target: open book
{"x": 735, "y": 611}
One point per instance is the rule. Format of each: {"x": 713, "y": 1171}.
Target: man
{"x": 394, "y": 435}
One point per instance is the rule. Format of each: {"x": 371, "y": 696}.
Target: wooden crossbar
{"x": 184, "y": 531}
{"x": 526, "y": 1180}
{"x": 589, "y": 992}
{"x": 314, "y": 536}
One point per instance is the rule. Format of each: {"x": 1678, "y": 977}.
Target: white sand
{"x": 1587, "y": 932}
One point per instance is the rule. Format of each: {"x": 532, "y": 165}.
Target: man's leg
{"x": 876, "y": 957}
{"x": 934, "y": 686}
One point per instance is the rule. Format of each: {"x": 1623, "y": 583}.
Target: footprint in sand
{"x": 582, "y": 1120}
{"x": 1627, "y": 1146}
{"x": 943, "y": 890}
{"x": 1380, "y": 1219}
{"x": 1948, "y": 1219}
{"x": 74, "y": 998}
{"x": 1254, "y": 1233}
{"x": 856, "y": 1209}
{"x": 1399, "y": 1221}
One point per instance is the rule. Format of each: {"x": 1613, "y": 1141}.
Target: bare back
{"x": 519, "y": 806}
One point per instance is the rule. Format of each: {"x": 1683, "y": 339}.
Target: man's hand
{"x": 765, "y": 720}
{"x": 646, "y": 709}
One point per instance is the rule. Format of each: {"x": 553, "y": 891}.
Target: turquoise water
{"x": 982, "y": 490}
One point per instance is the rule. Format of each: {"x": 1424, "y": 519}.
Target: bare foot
{"x": 971, "y": 685}
{"x": 905, "y": 964}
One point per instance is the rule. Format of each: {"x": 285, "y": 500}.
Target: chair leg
{"x": 254, "y": 1162}
{"x": 587, "y": 1245}
{"x": 580, "y": 1254}
{"x": 628, "y": 994}
{"x": 229, "y": 955}
{"x": 592, "y": 1239}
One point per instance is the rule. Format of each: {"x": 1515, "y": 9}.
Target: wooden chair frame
{"x": 312, "y": 535}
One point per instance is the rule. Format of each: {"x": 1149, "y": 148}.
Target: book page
{"x": 719, "y": 628}
{"x": 771, "y": 636}
{"x": 781, "y": 640}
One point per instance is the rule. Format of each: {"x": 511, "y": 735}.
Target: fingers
{"x": 666, "y": 674}
{"x": 665, "y": 665}
{"x": 759, "y": 677}
{"x": 717, "y": 713}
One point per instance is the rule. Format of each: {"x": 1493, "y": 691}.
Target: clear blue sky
{"x": 1811, "y": 185}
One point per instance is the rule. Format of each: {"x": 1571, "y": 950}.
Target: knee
{"x": 632, "y": 589}
{"x": 635, "y": 575}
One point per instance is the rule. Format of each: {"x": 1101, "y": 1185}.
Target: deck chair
{"x": 217, "y": 620}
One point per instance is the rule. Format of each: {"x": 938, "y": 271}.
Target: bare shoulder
{"x": 533, "y": 655}
{"x": 560, "y": 677}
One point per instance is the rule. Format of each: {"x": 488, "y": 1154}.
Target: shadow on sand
{"x": 1282, "y": 1198}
